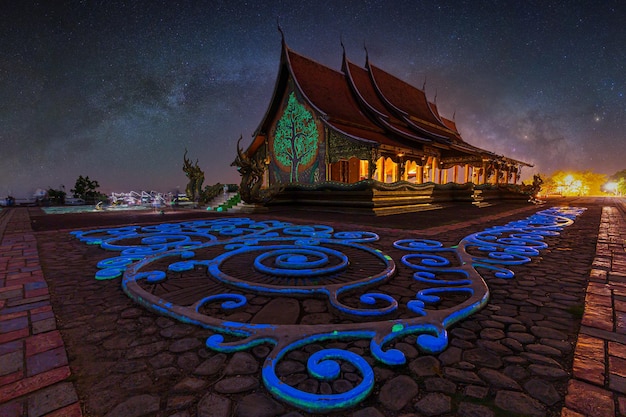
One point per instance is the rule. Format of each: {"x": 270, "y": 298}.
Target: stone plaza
{"x": 548, "y": 341}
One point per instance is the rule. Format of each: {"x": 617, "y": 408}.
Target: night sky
{"x": 117, "y": 90}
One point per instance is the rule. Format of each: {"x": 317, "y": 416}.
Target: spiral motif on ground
{"x": 339, "y": 285}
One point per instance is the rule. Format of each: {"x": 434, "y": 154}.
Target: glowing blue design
{"x": 231, "y": 301}
{"x": 152, "y": 277}
{"x": 322, "y": 365}
{"x": 297, "y": 262}
{"x": 241, "y": 259}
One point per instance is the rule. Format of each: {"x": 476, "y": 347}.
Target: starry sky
{"x": 117, "y": 90}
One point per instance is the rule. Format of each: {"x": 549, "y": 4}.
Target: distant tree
{"x": 620, "y": 179}
{"x": 86, "y": 189}
{"x": 296, "y": 138}
{"x": 56, "y": 196}
{"x": 594, "y": 181}
{"x": 621, "y": 185}
{"x": 548, "y": 186}
{"x": 618, "y": 175}
{"x": 570, "y": 183}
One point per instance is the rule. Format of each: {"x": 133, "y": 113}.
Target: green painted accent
{"x": 296, "y": 138}
{"x": 397, "y": 328}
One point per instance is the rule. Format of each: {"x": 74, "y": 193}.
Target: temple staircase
{"x": 478, "y": 199}
{"x": 224, "y": 202}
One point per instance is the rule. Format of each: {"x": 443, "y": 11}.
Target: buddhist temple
{"x": 363, "y": 125}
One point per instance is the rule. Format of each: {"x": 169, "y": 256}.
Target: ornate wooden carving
{"x": 342, "y": 148}
{"x": 461, "y": 160}
{"x": 430, "y": 151}
{"x": 371, "y": 162}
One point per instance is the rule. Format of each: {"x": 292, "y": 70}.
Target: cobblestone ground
{"x": 512, "y": 358}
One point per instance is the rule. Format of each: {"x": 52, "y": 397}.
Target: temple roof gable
{"x": 366, "y": 104}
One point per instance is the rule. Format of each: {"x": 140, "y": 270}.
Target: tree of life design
{"x": 296, "y": 138}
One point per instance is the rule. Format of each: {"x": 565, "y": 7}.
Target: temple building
{"x": 363, "y": 123}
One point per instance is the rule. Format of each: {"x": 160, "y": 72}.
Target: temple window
{"x": 339, "y": 171}
{"x": 391, "y": 171}
{"x": 349, "y": 171}
{"x": 411, "y": 172}
{"x": 363, "y": 169}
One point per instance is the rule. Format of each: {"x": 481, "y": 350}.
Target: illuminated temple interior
{"x": 362, "y": 123}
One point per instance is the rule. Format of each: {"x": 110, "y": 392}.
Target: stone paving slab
{"x": 515, "y": 356}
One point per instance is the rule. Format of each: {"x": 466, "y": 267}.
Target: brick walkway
{"x": 599, "y": 369}
{"x": 34, "y": 369}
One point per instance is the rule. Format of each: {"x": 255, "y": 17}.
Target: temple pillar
{"x": 434, "y": 169}
{"x": 371, "y": 165}
{"x": 401, "y": 170}
{"x": 466, "y": 173}
{"x": 419, "y": 175}
{"x": 455, "y": 174}
{"x": 515, "y": 176}
{"x": 379, "y": 170}
{"x": 445, "y": 176}
{"x": 484, "y": 179}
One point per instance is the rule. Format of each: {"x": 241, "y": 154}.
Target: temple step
{"x": 223, "y": 202}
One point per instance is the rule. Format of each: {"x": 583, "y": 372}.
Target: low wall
{"x": 487, "y": 194}
{"x": 372, "y": 197}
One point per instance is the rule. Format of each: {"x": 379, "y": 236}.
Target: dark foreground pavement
{"x": 551, "y": 342}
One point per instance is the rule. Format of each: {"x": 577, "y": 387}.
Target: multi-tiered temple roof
{"x": 369, "y": 105}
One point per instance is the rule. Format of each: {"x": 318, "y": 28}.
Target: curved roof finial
{"x": 435, "y": 100}
{"x": 424, "y": 85}
{"x": 367, "y": 56}
{"x": 454, "y": 116}
{"x": 343, "y": 47}
{"x": 280, "y": 29}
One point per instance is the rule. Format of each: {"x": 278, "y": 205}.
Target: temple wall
{"x": 297, "y": 158}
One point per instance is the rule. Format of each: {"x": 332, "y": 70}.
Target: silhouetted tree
{"x": 57, "y": 196}
{"x": 618, "y": 175}
{"x": 86, "y": 189}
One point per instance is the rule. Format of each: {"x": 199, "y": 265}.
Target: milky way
{"x": 117, "y": 90}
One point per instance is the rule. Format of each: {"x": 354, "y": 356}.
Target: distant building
{"x": 363, "y": 123}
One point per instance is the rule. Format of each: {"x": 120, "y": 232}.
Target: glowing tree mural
{"x": 296, "y": 138}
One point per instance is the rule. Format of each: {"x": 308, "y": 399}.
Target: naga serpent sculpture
{"x": 196, "y": 178}
{"x": 252, "y": 170}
